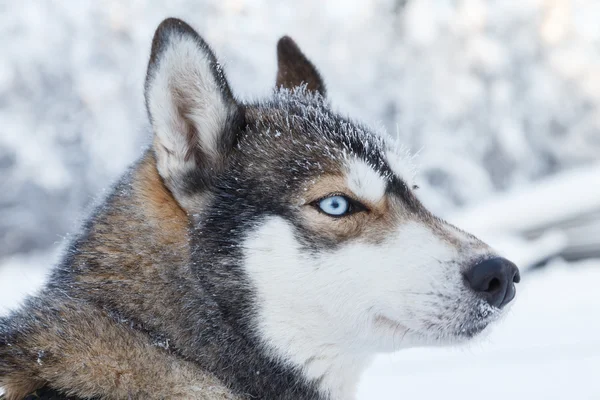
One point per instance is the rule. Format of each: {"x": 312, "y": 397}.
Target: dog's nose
{"x": 494, "y": 279}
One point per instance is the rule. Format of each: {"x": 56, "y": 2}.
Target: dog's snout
{"x": 494, "y": 279}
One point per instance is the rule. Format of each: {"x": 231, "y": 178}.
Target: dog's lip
{"x": 472, "y": 329}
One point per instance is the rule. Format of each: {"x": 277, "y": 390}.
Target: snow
{"x": 21, "y": 276}
{"x": 541, "y": 204}
{"x": 501, "y": 101}
{"x": 559, "y": 215}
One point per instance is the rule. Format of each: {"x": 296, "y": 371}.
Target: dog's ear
{"x": 194, "y": 116}
{"x": 294, "y": 69}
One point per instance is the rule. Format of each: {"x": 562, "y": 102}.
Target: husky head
{"x": 305, "y": 224}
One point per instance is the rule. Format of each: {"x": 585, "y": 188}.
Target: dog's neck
{"x": 336, "y": 371}
{"x": 303, "y": 362}
{"x": 311, "y": 369}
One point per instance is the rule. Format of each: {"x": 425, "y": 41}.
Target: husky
{"x": 257, "y": 250}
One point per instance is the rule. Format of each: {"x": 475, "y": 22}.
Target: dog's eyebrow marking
{"x": 365, "y": 181}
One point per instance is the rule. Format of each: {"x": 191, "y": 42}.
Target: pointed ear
{"x": 194, "y": 116}
{"x": 294, "y": 69}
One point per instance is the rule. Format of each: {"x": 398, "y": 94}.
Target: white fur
{"x": 184, "y": 80}
{"x": 324, "y": 311}
{"x": 401, "y": 163}
{"x": 364, "y": 181}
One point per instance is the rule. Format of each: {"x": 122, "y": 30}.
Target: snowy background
{"x": 500, "y": 99}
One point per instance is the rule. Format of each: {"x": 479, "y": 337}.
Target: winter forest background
{"x": 500, "y": 100}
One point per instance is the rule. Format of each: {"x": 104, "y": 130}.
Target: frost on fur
{"x": 294, "y": 69}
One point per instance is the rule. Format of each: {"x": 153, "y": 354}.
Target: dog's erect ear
{"x": 294, "y": 69}
{"x": 194, "y": 116}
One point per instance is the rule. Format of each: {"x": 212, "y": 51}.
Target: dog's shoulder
{"x": 82, "y": 352}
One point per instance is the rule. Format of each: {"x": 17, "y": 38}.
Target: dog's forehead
{"x": 301, "y": 128}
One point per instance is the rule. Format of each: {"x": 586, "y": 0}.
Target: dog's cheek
{"x": 408, "y": 274}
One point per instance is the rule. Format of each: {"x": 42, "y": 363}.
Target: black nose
{"x": 494, "y": 280}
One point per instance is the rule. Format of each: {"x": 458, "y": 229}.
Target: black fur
{"x": 50, "y": 394}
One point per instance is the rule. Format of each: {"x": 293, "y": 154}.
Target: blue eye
{"x": 335, "y": 205}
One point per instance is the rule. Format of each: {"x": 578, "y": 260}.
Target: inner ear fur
{"x": 194, "y": 115}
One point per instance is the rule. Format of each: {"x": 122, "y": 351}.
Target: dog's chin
{"x": 454, "y": 331}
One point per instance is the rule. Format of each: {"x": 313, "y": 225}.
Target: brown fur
{"x": 93, "y": 356}
{"x": 383, "y": 217}
{"x": 158, "y": 203}
{"x": 80, "y": 347}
